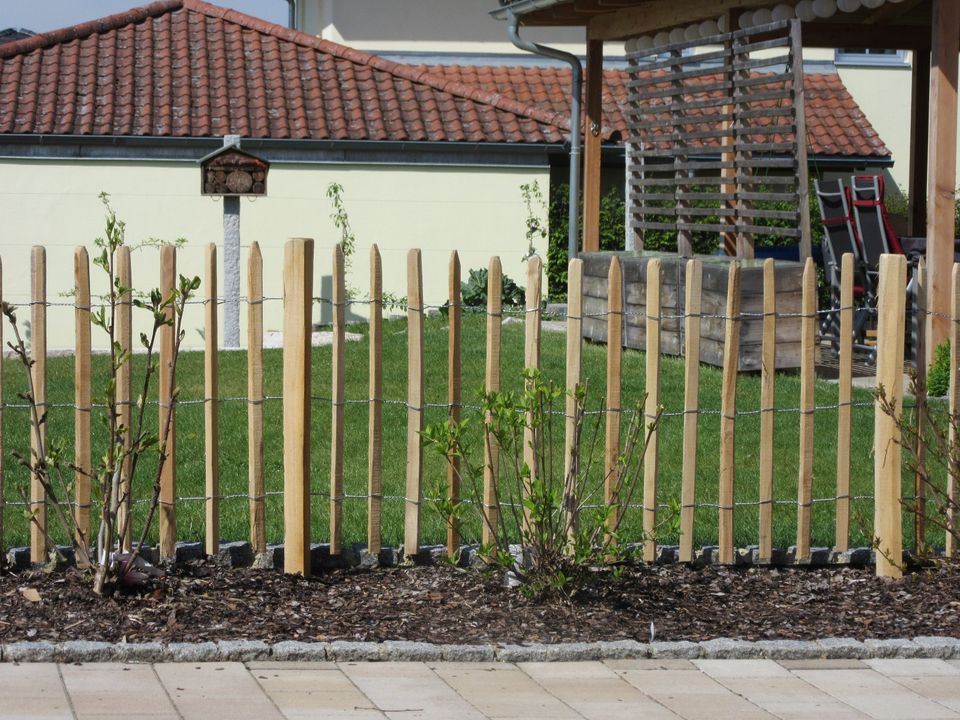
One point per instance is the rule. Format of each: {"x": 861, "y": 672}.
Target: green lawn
{"x": 233, "y": 447}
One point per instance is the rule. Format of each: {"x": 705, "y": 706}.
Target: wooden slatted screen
{"x": 717, "y": 139}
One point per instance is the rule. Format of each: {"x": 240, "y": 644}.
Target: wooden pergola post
{"x": 592, "y": 146}
{"x": 942, "y": 166}
{"x": 919, "y": 137}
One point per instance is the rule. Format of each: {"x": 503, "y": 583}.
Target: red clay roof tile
{"x": 188, "y": 68}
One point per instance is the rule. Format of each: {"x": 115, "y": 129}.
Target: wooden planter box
{"x": 789, "y": 277}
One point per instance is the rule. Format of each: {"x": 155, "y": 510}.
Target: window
{"x": 871, "y": 56}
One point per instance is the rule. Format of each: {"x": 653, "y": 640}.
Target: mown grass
{"x": 233, "y": 437}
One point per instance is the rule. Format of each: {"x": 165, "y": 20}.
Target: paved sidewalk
{"x": 648, "y": 689}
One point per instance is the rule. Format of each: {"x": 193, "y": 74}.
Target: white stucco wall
{"x": 477, "y": 211}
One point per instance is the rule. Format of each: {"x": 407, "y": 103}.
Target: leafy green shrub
{"x": 474, "y": 291}
{"x": 938, "y": 376}
{"x": 553, "y": 508}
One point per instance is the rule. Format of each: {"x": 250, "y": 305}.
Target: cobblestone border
{"x": 240, "y": 554}
{"x": 81, "y": 651}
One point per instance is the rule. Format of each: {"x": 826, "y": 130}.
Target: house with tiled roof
{"x": 429, "y": 156}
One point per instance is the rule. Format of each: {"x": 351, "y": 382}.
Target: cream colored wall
{"x": 459, "y": 26}
{"x": 477, "y": 211}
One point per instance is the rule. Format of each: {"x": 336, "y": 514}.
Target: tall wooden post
{"x": 167, "y": 387}
{"x": 81, "y": 394}
{"x": 887, "y": 526}
{"x": 592, "y": 146}
{"x": 38, "y": 353}
{"x": 919, "y": 143}
{"x": 297, "y": 314}
{"x": 942, "y": 166}
{"x": 211, "y": 411}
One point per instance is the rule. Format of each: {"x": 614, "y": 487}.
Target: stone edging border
{"x": 81, "y": 651}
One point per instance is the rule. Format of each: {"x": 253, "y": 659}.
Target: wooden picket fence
{"x": 298, "y": 271}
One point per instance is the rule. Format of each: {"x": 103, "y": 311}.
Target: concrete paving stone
{"x": 897, "y": 648}
{"x": 789, "y": 698}
{"x": 291, "y": 665}
{"x": 595, "y": 691}
{"x": 31, "y": 708}
{"x": 843, "y": 648}
{"x": 297, "y": 706}
{"x": 942, "y": 689}
{"x": 468, "y": 653}
{"x": 242, "y": 650}
{"x": 873, "y": 694}
{"x": 313, "y": 692}
{"x": 682, "y": 649}
{"x": 115, "y": 690}
{"x": 195, "y": 688}
{"x": 823, "y": 664}
{"x": 36, "y": 680}
{"x": 344, "y": 651}
{"x": 499, "y": 690}
{"x": 718, "y": 669}
{"x": 650, "y": 664}
{"x": 693, "y": 695}
{"x": 913, "y": 667}
{"x": 28, "y": 652}
{"x": 788, "y": 649}
{"x": 405, "y": 651}
{"x": 409, "y": 690}
{"x": 295, "y": 650}
{"x": 522, "y": 653}
{"x": 726, "y": 648}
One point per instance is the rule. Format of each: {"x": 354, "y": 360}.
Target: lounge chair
{"x": 839, "y": 238}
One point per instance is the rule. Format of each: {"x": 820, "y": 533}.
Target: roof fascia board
{"x": 524, "y": 7}
{"x": 76, "y": 147}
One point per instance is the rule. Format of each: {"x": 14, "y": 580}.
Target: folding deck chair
{"x": 839, "y": 238}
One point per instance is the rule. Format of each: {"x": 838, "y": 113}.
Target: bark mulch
{"x": 201, "y": 601}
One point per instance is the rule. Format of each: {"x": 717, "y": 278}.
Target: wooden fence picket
{"x": 411, "y": 532}
{"x": 531, "y": 360}
{"x": 38, "y": 351}
{"x": 297, "y": 326}
{"x": 256, "y": 488}
{"x": 844, "y": 407}
{"x": 888, "y": 530}
{"x": 611, "y": 457}
{"x": 337, "y": 396}
{"x": 491, "y": 459}
{"x": 691, "y": 406}
{"x": 728, "y": 412}
{"x": 767, "y": 408}
{"x": 125, "y": 392}
{"x": 574, "y": 373}
{"x": 454, "y": 342}
{"x": 81, "y": 393}
{"x": 168, "y": 419}
{"x": 953, "y": 471}
{"x": 211, "y": 405}
{"x": 375, "y": 418}
{"x": 808, "y": 350}
{"x": 920, "y": 446}
{"x": 651, "y": 460}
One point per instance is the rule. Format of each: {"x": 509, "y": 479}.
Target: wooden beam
{"x": 591, "y": 146}
{"x": 874, "y": 37}
{"x": 647, "y": 17}
{"x": 919, "y": 140}
{"x": 942, "y": 166}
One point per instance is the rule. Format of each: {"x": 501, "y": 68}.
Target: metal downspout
{"x": 513, "y": 28}
{"x": 292, "y": 14}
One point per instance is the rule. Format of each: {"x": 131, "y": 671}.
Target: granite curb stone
{"x": 82, "y": 651}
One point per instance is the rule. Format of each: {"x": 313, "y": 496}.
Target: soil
{"x": 201, "y": 601}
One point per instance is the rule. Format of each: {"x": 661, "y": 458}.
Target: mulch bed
{"x": 201, "y": 601}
